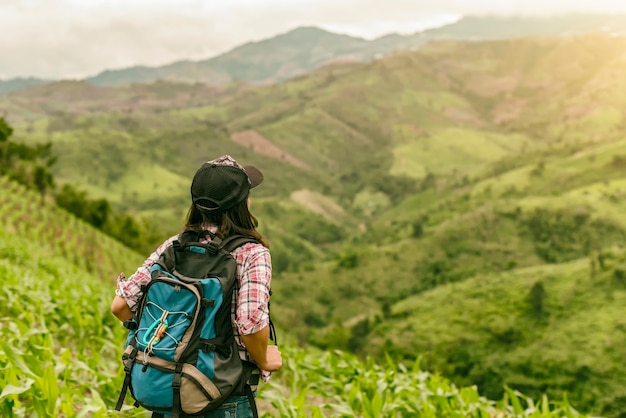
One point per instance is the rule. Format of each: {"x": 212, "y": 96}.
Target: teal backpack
{"x": 181, "y": 357}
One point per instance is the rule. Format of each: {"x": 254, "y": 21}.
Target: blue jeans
{"x": 233, "y": 407}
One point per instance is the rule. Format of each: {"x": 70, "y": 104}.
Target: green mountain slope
{"x": 278, "y": 58}
{"x": 15, "y": 84}
{"x": 396, "y": 186}
{"x": 306, "y": 48}
{"x": 60, "y": 347}
{"x": 549, "y": 329}
{"x": 58, "y": 234}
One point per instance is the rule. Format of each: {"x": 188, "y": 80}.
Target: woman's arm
{"x": 267, "y": 357}
{"x": 129, "y": 291}
{"x": 120, "y": 309}
{"x": 253, "y": 310}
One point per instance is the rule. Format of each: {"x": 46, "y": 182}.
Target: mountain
{"x": 508, "y": 27}
{"x": 462, "y": 203}
{"x": 304, "y": 49}
{"x": 270, "y": 60}
{"x": 15, "y": 84}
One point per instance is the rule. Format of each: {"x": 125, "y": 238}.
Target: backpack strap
{"x": 230, "y": 244}
{"x": 252, "y": 401}
{"x": 190, "y": 235}
{"x": 176, "y": 385}
{"x": 233, "y": 242}
{"x": 236, "y": 241}
{"x": 128, "y": 360}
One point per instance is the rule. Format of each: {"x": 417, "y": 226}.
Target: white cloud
{"x": 78, "y": 38}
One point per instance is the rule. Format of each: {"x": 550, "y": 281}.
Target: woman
{"x": 221, "y": 205}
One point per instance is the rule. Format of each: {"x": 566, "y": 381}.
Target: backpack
{"x": 181, "y": 356}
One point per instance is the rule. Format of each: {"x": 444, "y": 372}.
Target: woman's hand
{"x": 273, "y": 359}
{"x": 266, "y": 356}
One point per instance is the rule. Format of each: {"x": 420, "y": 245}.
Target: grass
{"x": 492, "y": 318}
{"x": 320, "y": 204}
{"x": 512, "y": 202}
{"x": 60, "y": 349}
{"x": 143, "y": 183}
{"x": 455, "y": 150}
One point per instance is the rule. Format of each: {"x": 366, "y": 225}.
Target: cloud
{"x": 79, "y": 38}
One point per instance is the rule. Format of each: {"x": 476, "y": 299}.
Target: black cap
{"x": 223, "y": 183}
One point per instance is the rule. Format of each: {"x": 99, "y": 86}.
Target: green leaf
{"x": 16, "y": 390}
{"x": 15, "y": 359}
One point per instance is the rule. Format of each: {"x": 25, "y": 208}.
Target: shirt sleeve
{"x": 252, "y": 314}
{"x": 130, "y": 289}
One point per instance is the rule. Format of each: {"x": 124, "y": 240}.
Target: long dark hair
{"x": 237, "y": 220}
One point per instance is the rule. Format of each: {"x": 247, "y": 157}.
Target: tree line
{"x": 32, "y": 166}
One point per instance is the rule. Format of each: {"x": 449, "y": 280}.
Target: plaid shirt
{"x": 250, "y": 310}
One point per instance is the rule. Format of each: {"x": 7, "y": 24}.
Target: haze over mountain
{"x": 304, "y": 49}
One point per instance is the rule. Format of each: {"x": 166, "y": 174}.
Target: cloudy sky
{"x": 80, "y": 38}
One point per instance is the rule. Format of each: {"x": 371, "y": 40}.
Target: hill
{"x": 485, "y": 173}
{"x": 15, "y": 84}
{"x": 278, "y": 58}
{"x": 304, "y": 49}
{"x": 60, "y": 346}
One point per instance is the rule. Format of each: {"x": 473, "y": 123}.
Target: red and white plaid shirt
{"x": 250, "y": 310}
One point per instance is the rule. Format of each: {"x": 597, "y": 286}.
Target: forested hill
{"x": 60, "y": 347}
{"x": 462, "y": 203}
{"x": 304, "y": 49}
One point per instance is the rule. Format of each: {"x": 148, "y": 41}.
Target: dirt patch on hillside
{"x": 459, "y": 114}
{"x": 319, "y": 204}
{"x": 574, "y": 113}
{"x": 493, "y": 86}
{"x": 261, "y": 145}
{"x": 509, "y": 110}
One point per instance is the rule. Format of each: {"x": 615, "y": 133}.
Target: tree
{"x": 43, "y": 180}
{"x": 417, "y": 229}
{"x": 99, "y": 211}
{"x": 5, "y": 130}
{"x": 536, "y": 299}
{"x": 358, "y": 336}
{"x": 72, "y": 200}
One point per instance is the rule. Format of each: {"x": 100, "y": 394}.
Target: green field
{"x": 461, "y": 205}
{"x": 60, "y": 347}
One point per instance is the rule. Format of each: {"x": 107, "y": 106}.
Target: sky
{"x": 66, "y": 39}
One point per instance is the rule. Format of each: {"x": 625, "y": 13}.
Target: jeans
{"x": 233, "y": 407}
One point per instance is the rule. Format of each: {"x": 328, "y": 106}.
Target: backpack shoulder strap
{"x": 191, "y": 236}
{"x": 235, "y": 241}
{"x": 186, "y": 238}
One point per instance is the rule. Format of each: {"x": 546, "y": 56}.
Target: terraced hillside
{"x": 60, "y": 346}
{"x": 450, "y": 108}
{"x": 486, "y": 174}
{"x": 25, "y": 214}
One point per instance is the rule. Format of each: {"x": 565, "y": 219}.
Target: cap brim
{"x": 255, "y": 176}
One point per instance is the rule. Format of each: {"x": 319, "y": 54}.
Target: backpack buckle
{"x": 213, "y": 246}
{"x": 130, "y": 324}
{"x": 207, "y": 346}
{"x": 178, "y": 377}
